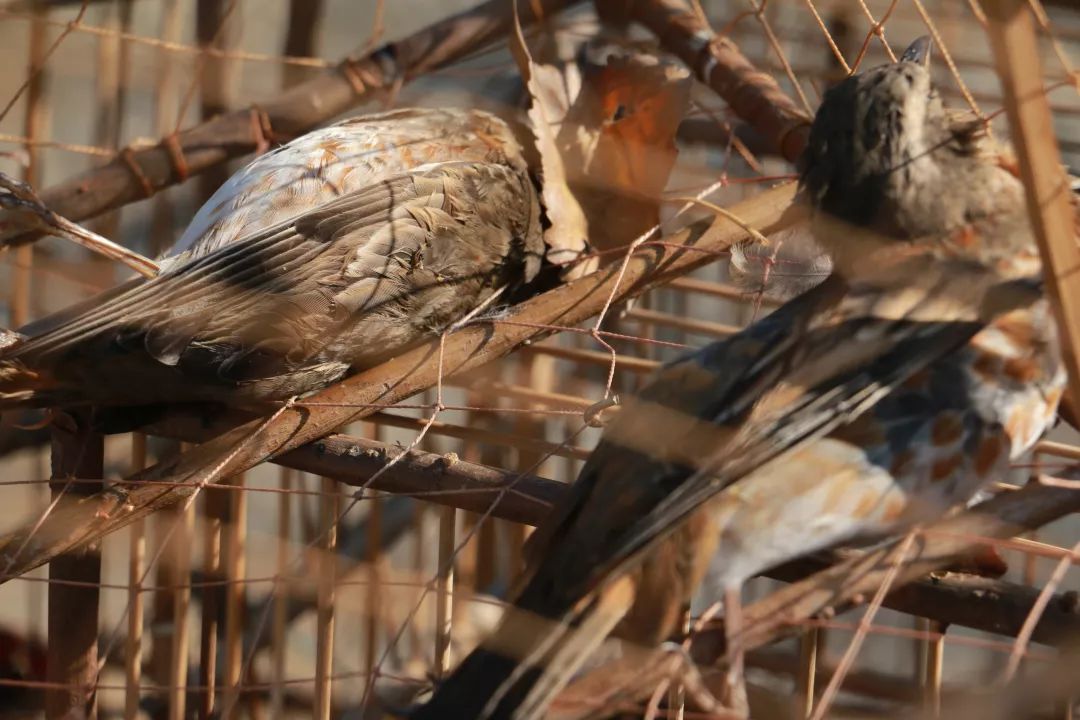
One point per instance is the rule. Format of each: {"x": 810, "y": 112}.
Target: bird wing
{"x": 708, "y": 420}
{"x": 294, "y": 306}
{"x": 330, "y": 162}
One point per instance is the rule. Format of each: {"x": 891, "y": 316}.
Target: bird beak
{"x": 918, "y": 51}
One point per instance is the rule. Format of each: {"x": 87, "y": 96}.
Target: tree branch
{"x": 717, "y": 61}
{"x": 851, "y": 582}
{"x": 953, "y": 598}
{"x": 74, "y": 525}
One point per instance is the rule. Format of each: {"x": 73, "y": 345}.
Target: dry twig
{"x": 20, "y": 198}
{"x": 718, "y": 62}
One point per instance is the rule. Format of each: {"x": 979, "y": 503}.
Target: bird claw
{"x": 685, "y": 671}
{"x": 112, "y": 499}
{"x": 21, "y": 198}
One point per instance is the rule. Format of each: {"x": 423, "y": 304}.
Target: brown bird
{"x": 343, "y": 248}
{"x": 874, "y": 401}
{"x": 332, "y": 253}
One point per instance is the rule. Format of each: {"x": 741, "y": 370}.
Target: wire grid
{"x": 290, "y": 595}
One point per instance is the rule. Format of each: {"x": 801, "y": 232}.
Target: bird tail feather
{"x": 518, "y": 671}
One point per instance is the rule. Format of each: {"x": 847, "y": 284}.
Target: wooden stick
{"x": 162, "y": 233}
{"x": 426, "y": 475}
{"x": 807, "y": 674}
{"x": 178, "y": 667}
{"x": 330, "y": 508}
{"x": 373, "y": 593}
{"x": 113, "y": 63}
{"x": 479, "y": 434}
{"x": 300, "y": 40}
{"x": 1049, "y": 200}
{"x": 214, "y": 29}
{"x": 214, "y": 515}
{"x": 73, "y": 609}
{"x": 21, "y": 298}
{"x": 718, "y": 62}
{"x": 935, "y": 664}
{"x": 685, "y": 324}
{"x": 420, "y": 566}
{"x": 166, "y": 579}
{"x": 33, "y": 120}
{"x": 592, "y": 357}
{"x": 444, "y": 589}
{"x": 994, "y": 606}
{"x": 234, "y": 533}
{"x": 715, "y": 289}
{"x": 279, "y": 636}
{"x": 137, "y": 555}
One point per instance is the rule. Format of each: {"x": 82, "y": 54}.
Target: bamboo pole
{"x": 301, "y": 37}
{"x": 136, "y": 558}
{"x": 234, "y": 540}
{"x": 21, "y": 298}
{"x": 1049, "y": 200}
{"x": 178, "y": 657}
{"x": 807, "y": 674}
{"x": 935, "y": 665}
{"x": 214, "y": 29}
{"x": 373, "y": 602}
{"x": 77, "y": 453}
{"x": 214, "y": 515}
{"x": 165, "y": 104}
{"x": 166, "y": 578}
{"x": 329, "y": 509}
{"x": 444, "y": 590}
{"x": 279, "y": 632}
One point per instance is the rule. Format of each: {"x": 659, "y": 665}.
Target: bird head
{"x": 873, "y": 132}
{"x": 634, "y": 99}
{"x": 887, "y": 162}
{"x": 604, "y": 125}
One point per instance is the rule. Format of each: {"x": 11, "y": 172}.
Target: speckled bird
{"x": 880, "y": 399}
{"x": 343, "y": 248}
{"x": 329, "y": 254}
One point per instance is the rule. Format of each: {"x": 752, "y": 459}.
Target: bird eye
{"x": 619, "y": 114}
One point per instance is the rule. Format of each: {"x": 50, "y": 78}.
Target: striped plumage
{"x": 330, "y": 254}
{"x": 349, "y": 155}
{"x": 873, "y": 401}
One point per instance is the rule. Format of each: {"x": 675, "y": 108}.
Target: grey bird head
{"x": 884, "y": 155}
{"x": 872, "y": 137}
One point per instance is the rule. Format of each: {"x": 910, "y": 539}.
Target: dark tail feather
{"x": 526, "y": 663}
{"x": 466, "y": 693}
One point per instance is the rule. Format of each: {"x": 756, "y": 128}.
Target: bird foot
{"x": 683, "y": 670}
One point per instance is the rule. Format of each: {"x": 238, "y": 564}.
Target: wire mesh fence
{"x": 377, "y": 545}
